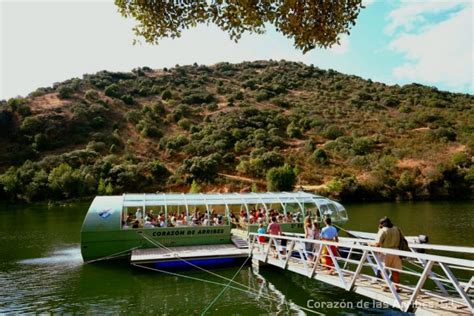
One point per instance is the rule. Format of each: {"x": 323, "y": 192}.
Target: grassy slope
{"x": 382, "y": 141}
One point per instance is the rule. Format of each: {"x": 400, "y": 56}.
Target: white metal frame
{"x": 361, "y": 255}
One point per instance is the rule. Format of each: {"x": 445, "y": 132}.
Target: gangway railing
{"x": 430, "y": 283}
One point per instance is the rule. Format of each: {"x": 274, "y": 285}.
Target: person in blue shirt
{"x": 261, "y": 230}
{"x": 329, "y": 233}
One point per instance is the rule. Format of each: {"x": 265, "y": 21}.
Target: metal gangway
{"x": 430, "y": 283}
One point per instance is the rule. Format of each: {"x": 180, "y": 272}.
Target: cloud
{"x": 411, "y": 13}
{"x": 342, "y": 47}
{"x": 366, "y": 3}
{"x": 438, "y": 52}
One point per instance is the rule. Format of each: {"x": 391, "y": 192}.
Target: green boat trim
{"x": 104, "y": 235}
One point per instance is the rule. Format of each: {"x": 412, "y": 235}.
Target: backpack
{"x": 403, "y": 246}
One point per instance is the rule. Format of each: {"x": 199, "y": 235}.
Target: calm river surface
{"x": 41, "y": 269}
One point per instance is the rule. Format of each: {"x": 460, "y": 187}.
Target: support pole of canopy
{"x": 227, "y": 212}
{"x": 143, "y": 210}
{"x": 297, "y": 202}
{"x": 166, "y": 209}
{"x": 318, "y": 212}
{"x": 187, "y": 207}
{"x": 124, "y": 216}
{"x": 207, "y": 208}
{"x": 260, "y": 199}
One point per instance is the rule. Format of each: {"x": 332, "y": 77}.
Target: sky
{"x": 394, "y": 41}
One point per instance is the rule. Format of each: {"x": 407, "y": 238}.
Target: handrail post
{"x": 419, "y": 285}
{"x": 336, "y": 265}
{"x": 387, "y": 280}
{"x": 358, "y": 270}
{"x": 456, "y": 285}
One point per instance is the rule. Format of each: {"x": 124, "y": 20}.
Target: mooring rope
{"x": 250, "y": 292}
{"x": 160, "y": 245}
{"x": 112, "y": 256}
{"x": 247, "y": 289}
{"x": 225, "y": 288}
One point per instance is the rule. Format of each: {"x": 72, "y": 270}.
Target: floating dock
{"x": 200, "y": 254}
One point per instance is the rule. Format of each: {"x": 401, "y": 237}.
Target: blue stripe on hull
{"x": 208, "y": 263}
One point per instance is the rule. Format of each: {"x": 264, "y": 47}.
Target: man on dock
{"x": 389, "y": 236}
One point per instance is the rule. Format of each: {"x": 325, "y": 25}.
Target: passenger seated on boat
{"x": 148, "y": 223}
{"x": 289, "y": 217}
{"x": 232, "y": 217}
{"x": 162, "y": 217}
{"x": 181, "y": 221}
{"x": 136, "y": 224}
{"x": 172, "y": 220}
{"x": 138, "y": 214}
{"x": 162, "y": 223}
{"x": 129, "y": 219}
{"x": 195, "y": 218}
{"x": 149, "y": 215}
{"x": 206, "y": 221}
{"x": 124, "y": 225}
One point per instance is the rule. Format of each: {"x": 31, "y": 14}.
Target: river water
{"x": 41, "y": 269}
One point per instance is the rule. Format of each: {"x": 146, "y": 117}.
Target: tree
{"x": 281, "y": 179}
{"x": 64, "y": 180}
{"x": 195, "y": 187}
{"x": 309, "y": 24}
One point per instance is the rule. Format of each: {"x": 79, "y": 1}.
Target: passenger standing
{"x": 389, "y": 236}
{"x": 261, "y": 230}
{"x": 308, "y": 234}
{"x": 316, "y": 235}
{"x": 275, "y": 229}
{"x": 329, "y": 233}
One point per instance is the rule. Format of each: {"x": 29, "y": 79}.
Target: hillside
{"x": 224, "y": 127}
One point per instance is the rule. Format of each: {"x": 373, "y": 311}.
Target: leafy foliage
{"x": 310, "y": 24}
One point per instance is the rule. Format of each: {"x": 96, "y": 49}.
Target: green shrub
{"x": 293, "y": 131}
{"x": 65, "y": 92}
{"x": 332, "y": 132}
{"x": 195, "y": 187}
{"x": 281, "y": 179}
{"x": 320, "y": 156}
{"x": 166, "y": 95}
{"x": 92, "y": 95}
{"x": 65, "y": 181}
{"x": 184, "y": 123}
{"x": 128, "y": 99}
{"x": 113, "y": 91}
{"x": 461, "y": 159}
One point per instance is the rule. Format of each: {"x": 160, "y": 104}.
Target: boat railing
{"x": 356, "y": 262}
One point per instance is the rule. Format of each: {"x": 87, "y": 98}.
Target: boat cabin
{"x": 116, "y": 225}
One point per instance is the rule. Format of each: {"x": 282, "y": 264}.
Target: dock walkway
{"x": 431, "y": 284}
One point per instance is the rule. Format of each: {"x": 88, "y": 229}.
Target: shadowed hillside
{"x": 233, "y": 127}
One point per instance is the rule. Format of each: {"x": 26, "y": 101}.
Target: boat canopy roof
{"x": 105, "y": 212}
{"x": 165, "y": 199}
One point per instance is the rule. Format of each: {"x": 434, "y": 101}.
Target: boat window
{"x": 294, "y": 209}
{"x": 313, "y": 211}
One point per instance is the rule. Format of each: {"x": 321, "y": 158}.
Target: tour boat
{"x": 115, "y": 226}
